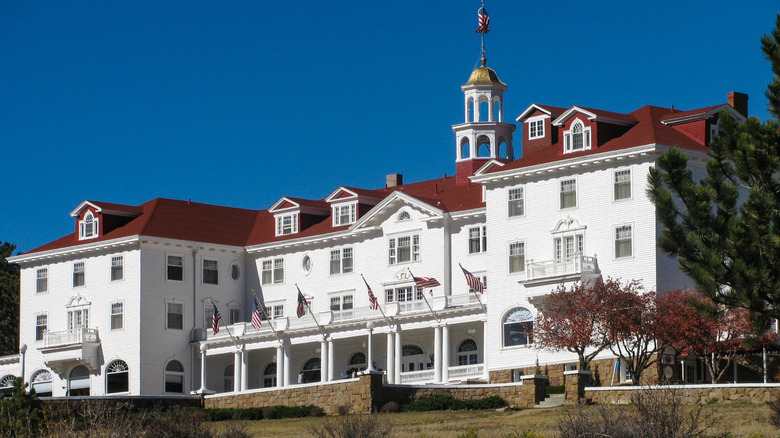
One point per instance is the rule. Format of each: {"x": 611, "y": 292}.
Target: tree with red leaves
{"x": 572, "y": 320}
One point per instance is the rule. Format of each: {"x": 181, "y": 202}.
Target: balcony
{"x": 64, "y": 349}
{"x": 456, "y": 373}
{"x": 578, "y": 267}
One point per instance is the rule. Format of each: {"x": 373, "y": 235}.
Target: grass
{"x": 741, "y": 419}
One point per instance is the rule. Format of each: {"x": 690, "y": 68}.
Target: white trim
{"x": 705, "y": 115}
{"x": 614, "y": 241}
{"x": 537, "y": 119}
{"x": 509, "y": 254}
{"x": 530, "y": 109}
{"x": 71, "y": 250}
{"x": 569, "y": 113}
{"x": 576, "y": 192}
{"x": 630, "y": 183}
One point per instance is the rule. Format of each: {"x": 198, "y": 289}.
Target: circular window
{"x": 306, "y": 264}
{"x": 235, "y": 272}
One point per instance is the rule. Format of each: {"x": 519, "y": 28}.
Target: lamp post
{"x": 370, "y": 326}
{"x": 22, "y": 353}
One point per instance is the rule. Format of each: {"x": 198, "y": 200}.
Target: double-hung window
{"x": 403, "y": 294}
{"x": 235, "y": 315}
{"x": 78, "y": 274}
{"x": 623, "y": 241}
{"x": 403, "y": 249}
{"x": 477, "y": 239}
{"x": 117, "y": 268}
{"x": 175, "y": 316}
{"x": 274, "y": 311}
{"x": 341, "y": 260}
{"x": 339, "y": 303}
{"x": 286, "y": 224}
{"x": 117, "y": 315}
{"x": 175, "y": 268}
{"x": 568, "y": 190}
{"x": 210, "y": 272}
{"x": 273, "y": 271}
{"x": 535, "y": 129}
{"x": 622, "y": 184}
{"x": 516, "y": 257}
{"x": 41, "y": 324}
{"x": 516, "y": 202}
{"x": 344, "y": 214}
{"x": 42, "y": 280}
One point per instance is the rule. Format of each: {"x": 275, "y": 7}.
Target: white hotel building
{"x": 121, "y": 305}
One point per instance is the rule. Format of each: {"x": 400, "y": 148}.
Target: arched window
{"x": 497, "y": 116}
{"x": 467, "y": 352}
{"x": 483, "y": 146}
{"x": 358, "y": 360}
{"x": 227, "y": 379}
{"x": 88, "y": 227}
{"x": 577, "y": 138}
{"x": 404, "y": 216}
{"x": 471, "y": 117}
{"x": 518, "y": 327}
{"x": 174, "y": 377}
{"x": 311, "y": 370}
{"x": 7, "y": 384}
{"x": 41, "y": 383}
{"x": 465, "y": 148}
{"x": 269, "y": 375}
{"x": 502, "y": 152}
{"x": 484, "y": 110}
{"x": 78, "y": 381}
{"x": 117, "y": 377}
{"x": 411, "y": 350}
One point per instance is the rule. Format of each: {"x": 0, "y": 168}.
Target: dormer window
{"x": 535, "y": 128}
{"x": 88, "y": 227}
{"x": 286, "y": 224}
{"x": 344, "y": 214}
{"x": 577, "y": 138}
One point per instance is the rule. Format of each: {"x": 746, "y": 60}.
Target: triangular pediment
{"x": 391, "y": 206}
{"x": 85, "y": 205}
{"x": 489, "y": 166}
{"x": 568, "y": 224}
{"x": 283, "y": 204}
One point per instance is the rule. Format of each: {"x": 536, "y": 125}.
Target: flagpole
{"x": 305, "y": 301}
{"x": 262, "y": 310}
{"x": 223, "y": 322}
{"x": 475, "y": 293}
{"x": 425, "y": 299}
{"x": 377, "y": 304}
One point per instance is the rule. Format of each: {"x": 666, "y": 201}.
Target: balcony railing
{"x": 412, "y": 377}
{"x": 71, "y": 337}
{"x": 464, "y": 372}
{"x": 577, "y": 265}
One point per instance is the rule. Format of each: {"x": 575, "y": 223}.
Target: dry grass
{"x": 742, "y": 420}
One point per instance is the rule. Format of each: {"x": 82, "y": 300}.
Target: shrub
{"x": 443, "y": 402}
{"x": 353, "y": 426}
{"x": 18, "y": 414}
{"x": 344, "y": 410}
{"x": 270, "y": 413}
{"x": 557, "y": 389}
{"x": 316, "y": 411}
{"x": 471, "y": 433}
{"x": 528, "y": 433}
{"x": 390, "y": 407}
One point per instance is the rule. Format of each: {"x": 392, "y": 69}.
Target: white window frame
{"x": 561, "y": 251}
{"x": 41, "y": 320}
{"x": 512, "y": 198}
{"x": 341, "y": 301}
{"x": 568, "y": 137}
{"x": 274, "y": 310}
{"x": 174, "y": 374}
{"x": 234, "y": 315}
{"x": 615, "y": 183}
{"x": 561, "y": 192}
{"x": 89, "y": 223}
{"x": 286, "y": 224}
{"x": 168, "y": 303}
{"x": 337, "y": 260}
{"x": 344, "y": 214}
{"x": 510, "y": 255}
{"x": 41, "y": 280}
{"x": 168, "y": 266}
{"x": 470, "y": 357}
{"x": 117, "y": 268}
{"x": 273, "y": 269}
{"x": 504, "y": 322}
{"x": 410, "y": 293}
{"x": 393, "y": 250}
{"x": 477, "y": 239}
{"x": 117, "y": 309}
{"x": 615, "y": 230}
{"x": 79, "y": 268}
{"x": 210, "y": 268}
{"x": 536, "y": 127}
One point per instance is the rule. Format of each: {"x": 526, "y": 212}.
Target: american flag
{"x": 426, "y": 282}
{"x": 215, "y": 317}
{"x": 484, "y": 21}
{"x": 473, "y": 281}
{"x": 374, "y": 304}
{"x": 257, "y": 315}
{"x": 301, "y": 304}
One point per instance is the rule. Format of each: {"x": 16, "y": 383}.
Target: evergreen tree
{"x": 9, "y": 302}
{"x": 725, "y": 228}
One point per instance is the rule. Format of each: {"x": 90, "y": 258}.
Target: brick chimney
{"x": 394, "y": 179}
{"x": 738, "y": 101}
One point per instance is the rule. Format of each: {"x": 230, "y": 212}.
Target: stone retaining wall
{"x": 691, "y": 394}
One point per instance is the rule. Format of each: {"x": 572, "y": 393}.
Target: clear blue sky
{"x": 239, "y": 103}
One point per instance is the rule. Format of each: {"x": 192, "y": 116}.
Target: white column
{"x": 324, "y": 360}
{"x": 390, "y": 358}
{"x": 244, "y": 368}
{"x": 437, "y": 354}
{"x": 203, "y": 348}
{"x": 280, "y": 366}
{"x": 490, "y": 111}
{"x": 397, "y": 357}
{"x": 445, "y": 354}
{"x": 237, "y": 370}
{"x": 331, "y": 356}
{"x": 287, "y": 363}
{"x": 485, "y": 351}
{"x": 370, "y": 360}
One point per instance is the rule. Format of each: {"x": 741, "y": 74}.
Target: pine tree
{"x": 9, "y": 302}
{"x": 725, "y": 228}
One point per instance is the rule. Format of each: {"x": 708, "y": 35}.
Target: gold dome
{"x": 484, "y": 75}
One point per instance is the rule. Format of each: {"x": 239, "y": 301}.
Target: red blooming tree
{"x": 571, "y": 319}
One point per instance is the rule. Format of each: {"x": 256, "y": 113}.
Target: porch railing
{"x": 464, "y": 372}
{"x": 67, "y": 337}
{"x": 412, "y": 377}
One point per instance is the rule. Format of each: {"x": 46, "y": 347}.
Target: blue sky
{"x": 239, "y": 103}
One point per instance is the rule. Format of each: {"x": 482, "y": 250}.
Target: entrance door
{"x": 413, "y": 358}
{"x": 78, "y": 319}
